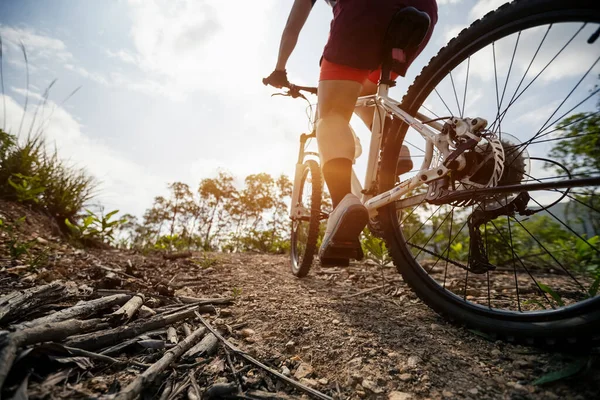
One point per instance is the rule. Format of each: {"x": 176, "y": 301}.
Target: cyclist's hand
{"x": 278, "y": 79}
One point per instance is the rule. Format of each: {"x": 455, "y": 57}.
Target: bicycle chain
{"x": 440, "y": 256}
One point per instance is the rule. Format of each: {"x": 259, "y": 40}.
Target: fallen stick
{"x": 216, "y": 301}
{"x": 128, "y": 309}
{"x": 178, "y": 255}
{"x": 194, "y": 383}
{"x": 20, "y": 302}
{"x": 134, "y": 389}
{"x": 363, "y": 291}
{"x": 233, "y": 370}
{"x": 172, "y": 335}
{"x": 108, "y": 337}
{"x": 78, "y": 311}
{"x": 207, "y": 346}
{"x": 120, "y": 346}
{"x": 268, "y": 395}
{"x": 245, "y": 356}
{"x": 10, "y": 342}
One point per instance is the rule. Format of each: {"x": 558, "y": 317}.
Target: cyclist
{"x": 349, "y": 69}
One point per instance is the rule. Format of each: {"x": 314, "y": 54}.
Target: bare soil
{"x": 323, "y": 329}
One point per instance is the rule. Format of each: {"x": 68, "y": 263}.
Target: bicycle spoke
{"x": 446, "y": 105}
{"x": 460, "y": 112}
{"x": 539, "y": 73}
{"x": 466, "y": 85}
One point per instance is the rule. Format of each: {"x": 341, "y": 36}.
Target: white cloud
{"x": 445, "y": 2}
{"x": 123, "y": 183}
{"x": 36, "y": 45}
{"x": 484, "y": 6}
{"x": 122, "y": 55}
{"x": 96, "y": 77}
{"x": 25, "y": 92}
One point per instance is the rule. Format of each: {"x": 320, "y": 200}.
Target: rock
{"x": 309, "y": 382}
{"x": 41, "y": 240}
{"x": 447, "y": 393}
{"x": 285, "y": 371}
{"x": 395, "y": 395}
{"x": 250, "y": 340}
{"x": 413, "y": 361}
{"x": 303, "y": 370}
{"x": 323, "y": 381}
{"x": 289, "y": 346}
{"x": 392, "y": 355}
{"x": 355, "y": 378}
{"x": 473, "y": 391}
{"x": 372, "y": 353}
{"x": 496, "y": 353}
{"x": 225, "y": 312}
{"x": 436, "y": 327}
{"x": 335, "y": 322}
{"x": 405, "y": 377}
{"x": 371, "y": 386}
{"x": 247, "y": 332}
{"x": 522, "y": 364}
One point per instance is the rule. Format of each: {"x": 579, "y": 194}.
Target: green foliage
{"x": 34, "y": 175}
{"x": 96, "y": 227}
{"x": 217, "y": 216}
{"x": 27, "y": 188}
{"x": 374, "y": 249}
{"x": 557, "y": 298}
{"x": 236, "y": 292}
{"x": 576, "y": 366}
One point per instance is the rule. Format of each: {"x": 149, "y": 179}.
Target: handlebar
{"x": 294, "y": 90}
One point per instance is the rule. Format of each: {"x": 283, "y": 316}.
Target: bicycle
{"x": 519, "y": 208}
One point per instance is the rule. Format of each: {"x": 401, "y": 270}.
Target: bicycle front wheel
{"x": 305, "y": 228}
{"x": 522, "y": 266}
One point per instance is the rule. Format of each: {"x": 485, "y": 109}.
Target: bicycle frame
{"x": 383, "y": 106}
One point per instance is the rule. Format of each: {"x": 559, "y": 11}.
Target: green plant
{"x": 374, "y": 249}
{"x": 27, "y": 188}
{"x": 96, "y": 227}
{"x": 236, "y": 292}
{"x": 206, "y": 261}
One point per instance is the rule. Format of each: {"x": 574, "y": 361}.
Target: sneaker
{"x": 405, "y": 163}
{"x": 341, "y": 241}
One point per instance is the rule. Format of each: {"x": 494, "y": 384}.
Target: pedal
{"x": 343, "y": 250}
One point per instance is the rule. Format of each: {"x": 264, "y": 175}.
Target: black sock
{"x": 338, "y": 176}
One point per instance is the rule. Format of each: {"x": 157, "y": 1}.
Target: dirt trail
{"x": 379, "y": 344}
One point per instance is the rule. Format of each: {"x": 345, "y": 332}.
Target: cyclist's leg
{"x": 339, "y": 88}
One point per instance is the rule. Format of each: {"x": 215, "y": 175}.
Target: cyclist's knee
{"x": 335, "y": 138}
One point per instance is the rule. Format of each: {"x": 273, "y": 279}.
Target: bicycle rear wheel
{"x": 530, "y": 68}
{"x": 305, "y": 229}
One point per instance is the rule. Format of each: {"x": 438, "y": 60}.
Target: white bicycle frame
{"x": 383, "y": 105}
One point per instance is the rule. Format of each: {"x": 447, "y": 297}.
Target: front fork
{"x": 296, "y": 210}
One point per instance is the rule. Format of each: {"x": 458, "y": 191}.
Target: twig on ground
{"x": 363, "y": 291}
{"x": 233, "y": 370}
{"x": 80, "y": 310}
{"x": 128, "y": 309}
{"x": 240, "y": 353}
{"x": 133, "y": 390}
{"x": 110, "y": 336}
{"x": 20, "y": 302}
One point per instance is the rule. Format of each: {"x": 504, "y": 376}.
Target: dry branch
{"x": 109, "y": 337}
{"x": 129, "y": 309}
{"x": 363, "y": 291}
{"x": 216, "y": 301}
{"x": 11, "y": 342}
{"x": 208, "y": 345}
{"x": 177, "y": 255}
{"x": 172, "y": 335}
{"x": 81, "y": 310}
{"x": 245, "y": 356}
{"x": 133, "y": 390}
{"x": 21, "y": 301}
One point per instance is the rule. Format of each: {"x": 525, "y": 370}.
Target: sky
{"x": 170, "y": 90}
